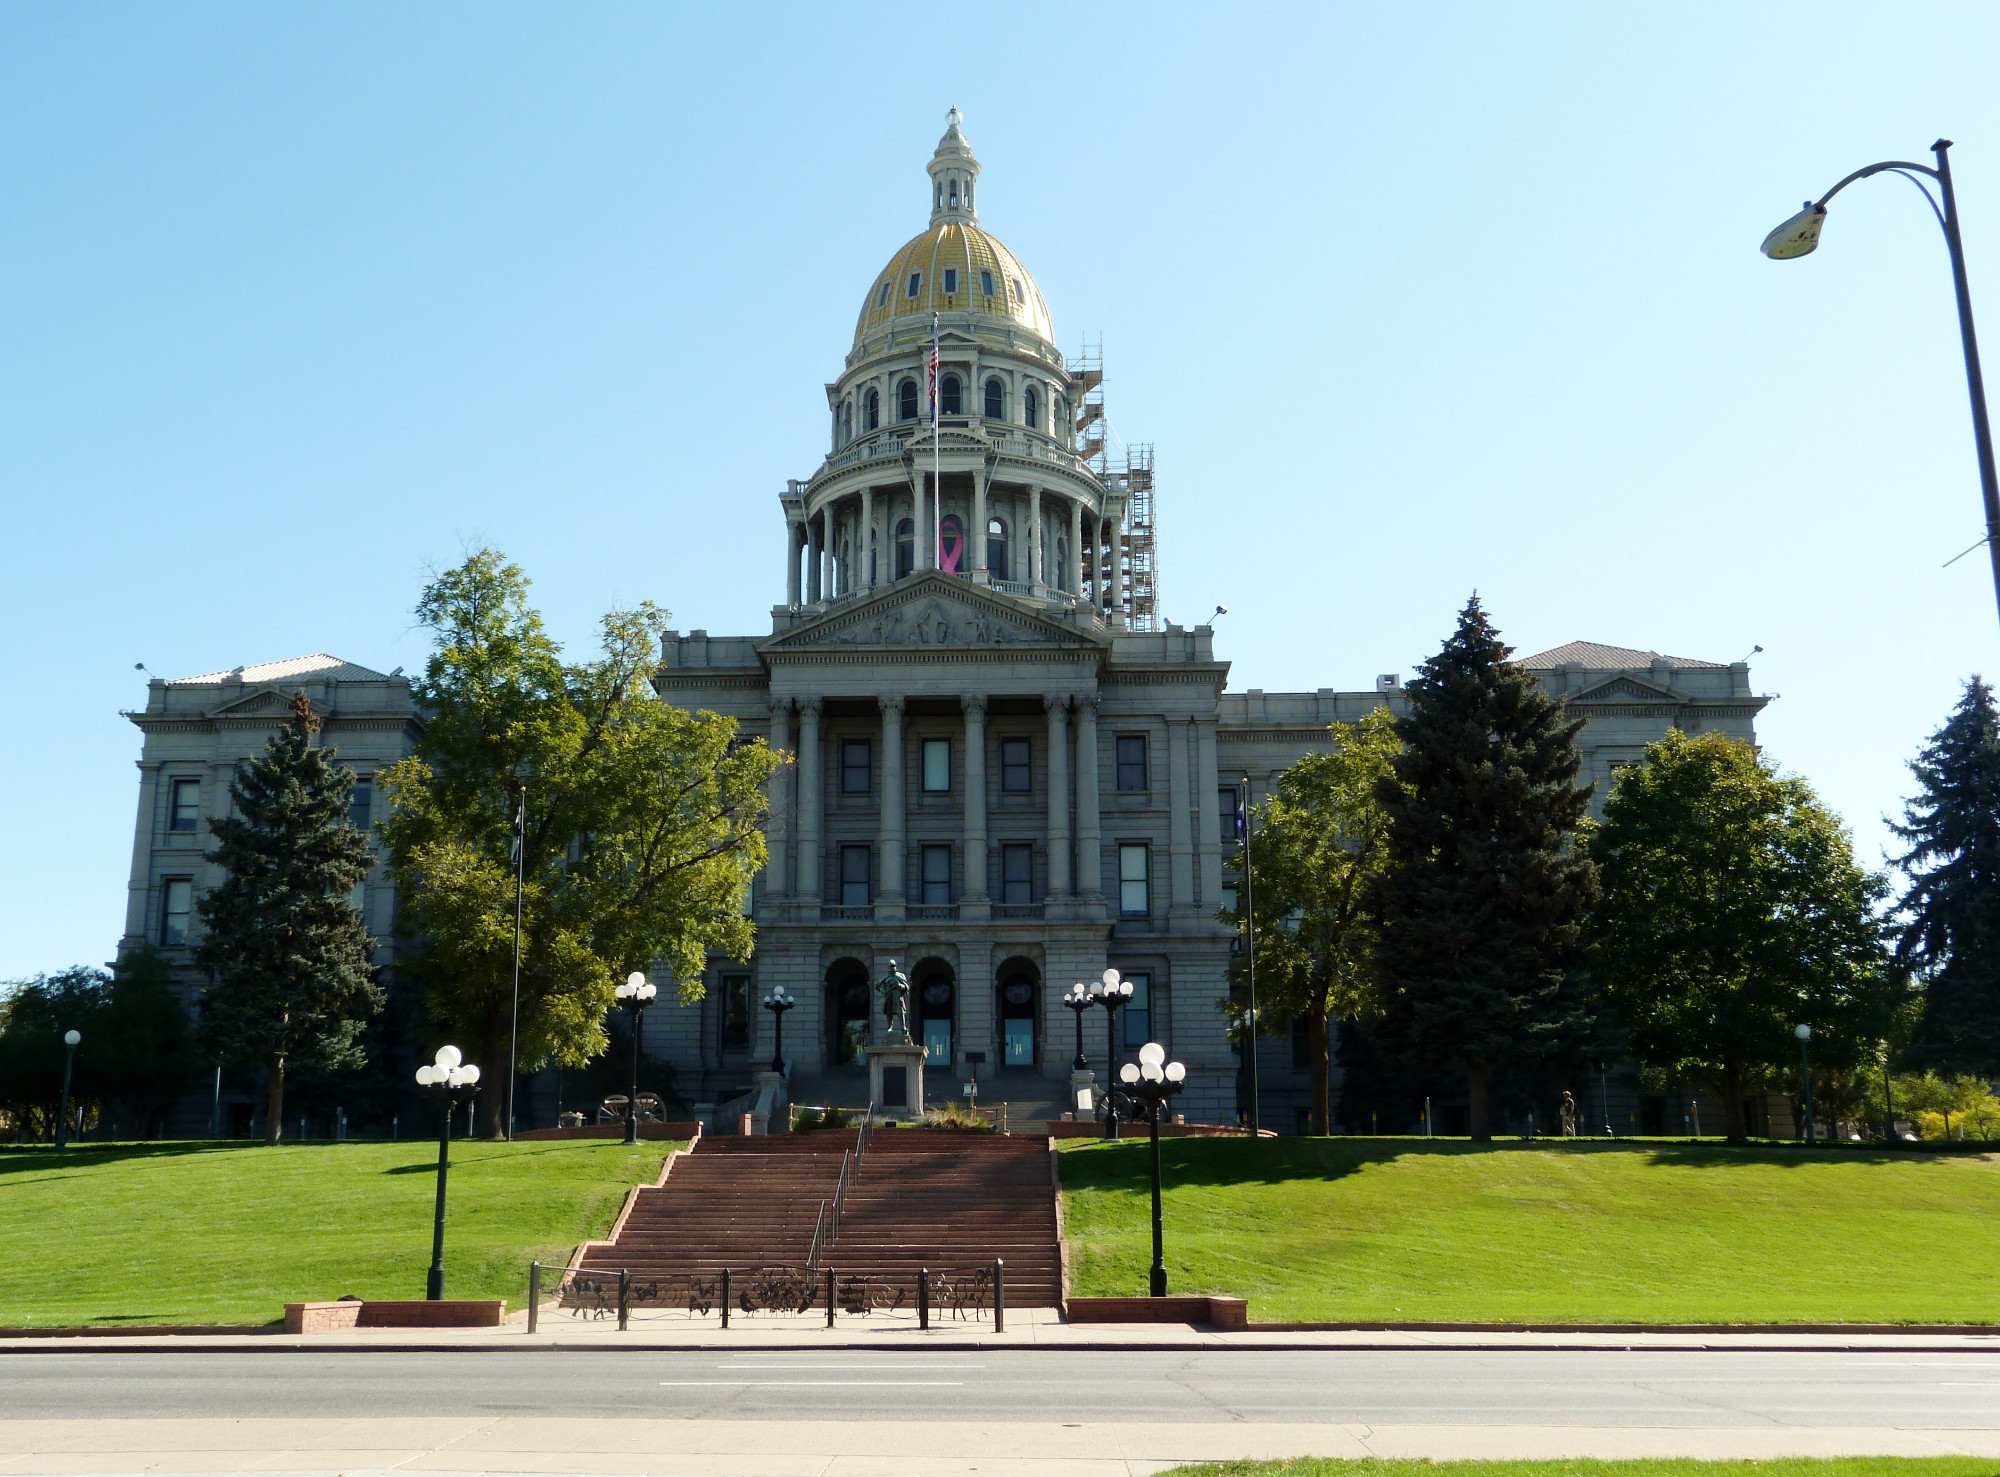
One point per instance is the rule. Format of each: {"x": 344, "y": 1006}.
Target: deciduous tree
{"x": 287, "y": 955}
{"x": 1732, "y": 912}
{"x": 644, "y": 824}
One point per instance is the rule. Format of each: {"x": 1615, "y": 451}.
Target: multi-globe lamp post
{"x": 1152, "y": 1080}
{"x": 1804, "y": 1033}
{"x": 1077, "y": 1001}
{"x": 1111, "y": 990}
{"x": 635, "y": 995}
{"x": 1800, "y": 235}
{"x": 456, "y": 1079}
{"x": 778, "y": 1002}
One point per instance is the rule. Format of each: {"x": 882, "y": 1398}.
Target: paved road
{"x": 1600, "y": 1388}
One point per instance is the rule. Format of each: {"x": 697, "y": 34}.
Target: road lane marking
{"x": 813, "y": 1384}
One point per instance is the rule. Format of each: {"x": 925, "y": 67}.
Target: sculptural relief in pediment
{"x": 931, "y": 618}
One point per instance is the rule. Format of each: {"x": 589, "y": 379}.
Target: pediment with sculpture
{"x": 936, "y": 611}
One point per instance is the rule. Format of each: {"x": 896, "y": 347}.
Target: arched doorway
{"x": 847, "y": 1013}
{"x": 935, "y": 988}
{"x": 1019, "y": 995}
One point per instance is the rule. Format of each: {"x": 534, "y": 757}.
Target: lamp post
{"x": 1111, "y": 990}
{"x": 778, "y": 1002}
{"x": 1153, "y": 1079}
{"x": 1800, "y": 235}
{"x": 455, "y": 1078}
{"x": 1804, "y": 1033}
{"x": 1250, "y": 964}
{"x": 1077, "y": 1001}
{"x": 70, "y": 1040}
{"x": 635, "y": 995}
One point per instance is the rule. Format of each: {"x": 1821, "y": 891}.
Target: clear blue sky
{"x": 299, "y": 301}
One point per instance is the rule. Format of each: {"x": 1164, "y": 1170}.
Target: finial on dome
{"x": 953, "y": 170}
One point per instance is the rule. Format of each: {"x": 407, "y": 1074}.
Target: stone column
{"x": 815, "y": 533}
{"x": 892, "y": 800}
{"x": 795, "y": 536}
{"x": 1089, "y": 847}
{"x": 974, "y": 706}
{"x": 826, "y": 584}
{"x": 777, "y": 831}
{"x": 1035, "y": 538}
{"x": 978, "y": 533}
{"x": 1180, "y": 840}
{"x": 811, "y": 798}
{"x": 870, "y": 566}
{"x": 1058, "y": 795}
{"x": 1208, "y": 807}
{"x": 1075, "y": 571}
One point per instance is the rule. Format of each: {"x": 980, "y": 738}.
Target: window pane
{"x": 854, "y": 767}
{"x": 937, "y": 764}
{"x": 736, "y": 1011}
{"x": 854, "y": 876}
{"x": 916, "y": 281}
{"x": 1131, "y": 761}
{"x": 1019, "y": 1047}
{"x": 1226, "y": 800}
{"x": 1015, "y": 775}
{"x": 937, "y": 875}
{"x": 360, "y": 806}
{"x": 1138, "y": 1012}
{"x": 986, "y": 283}
{"x": 1132, "y": 894}
{"x": 185, "y": 807}
{"x": 1017, "y": 874}
{"x": 176, "y": 905}
{"x": 951, "y": 273}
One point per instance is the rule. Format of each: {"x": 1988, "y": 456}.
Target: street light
{"x": 1154, "y": 1079}
{"x": 1078, "y": 1000}
{"x": 455, "y": 1078}
{"x": 70, "y": 1040}
{"x": 1800, "y": 235}
{"x": 1804, "y": 1033}
{"x": 1110, "y": 990}
{"x": 777, "y": 1002}
{"x": 635, "y": 995}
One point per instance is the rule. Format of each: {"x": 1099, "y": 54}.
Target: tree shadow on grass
{"x": 18, "y": 1158}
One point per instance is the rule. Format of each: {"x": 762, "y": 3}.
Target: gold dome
{"x": 954, "y": 268}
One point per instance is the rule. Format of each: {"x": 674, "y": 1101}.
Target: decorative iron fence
{"x": 601, "y": 1294}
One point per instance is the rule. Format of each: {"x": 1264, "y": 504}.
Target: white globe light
{"x": 648, "y": 990}
{"x": 1152, "y": 1053}
{"x": 427, "y": 1075}
{"x": 1096, "y": 988}
{"x": 71, "y": 1038}
{"x": 1176, "y": 1071}
{"x": 1804, "y": 1033}
{"x": 1128, "y": 1073}
{"x": 1111, "y": 976}
{"x": 1150, "y": 1071}
{"x": 449, "y": 1057}
{"x": 636, "y": 980}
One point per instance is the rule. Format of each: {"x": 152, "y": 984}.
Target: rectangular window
{"x": 1131, "y": 761}
{"x": 176, "y": 904}
{"x": 854, "y": 877}
{"x": 358, "y": 900}
{"x": 916, "y": 281}
{"x": 951, "y": 279}
{"x": 1136, "y": 1019}
{"x": 854, "y": 767}
{"x": 1228, "y": 805}
{"x": 937, "y": 764}
{"x": 184, "y": 807}
{"x": 1017, "y": 1042}
{"x": 937, "y": 876}
{"x": 1134, "y": 897}
{"x": 361, "y": 806}
{"x": 986, "y": 282}
{"x": 1017, "y": 873}
{"x": 735, "y": 1012}
{"x": 1016, "y": 777}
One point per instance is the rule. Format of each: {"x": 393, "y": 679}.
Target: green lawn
{"x": 229, "y": 1233}
{"x": 1577, "y": 1467}
{"x": 1409, "y": 1230}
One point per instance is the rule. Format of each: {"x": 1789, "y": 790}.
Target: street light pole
{"x": 70, "y": 1040}
{"x": 1111, "y": 990}
{"x": 514, "y": 1025}
{"x": 456, "y": 1078}
{"x": 1153, "y": 1079}
{"x": 635, "y": 995}
{"x": 1250, "y": 948}
{"x": 1800, "y": 235}
{"x": 1077, "y": 1001}
{"x": 778, "y": 1002}
{"x": 1804, "y": 1033}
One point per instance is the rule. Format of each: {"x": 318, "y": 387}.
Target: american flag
{"x": 934, "y": 371}
{"x": 520, "y": 827}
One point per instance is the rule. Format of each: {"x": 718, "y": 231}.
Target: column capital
{"x": 974, "y": 702}
{"x": 1056, "y": 700}
{"x": 1087, "y": 702}
{"x": 890, "y": 703}
{"x": 809, "y": 707}
{"x": 778, "y": 705}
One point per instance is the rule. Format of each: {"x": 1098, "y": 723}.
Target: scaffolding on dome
{"x": 1134, "y": 576}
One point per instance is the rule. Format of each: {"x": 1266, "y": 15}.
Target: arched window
{"x": 1031, "y": 409}
{"x": 1020, "y": 987}
{"x": 906, "y": 401}
{"x": 996, "y": 400}
{"x": 847, "y": 1010}
{"x": 949, "y": 400}
{"x": 936, "y": 1009}
{"x": 996, "y": 548}
{"x": 874, "y": 410}
{"x": 906, "y": 547}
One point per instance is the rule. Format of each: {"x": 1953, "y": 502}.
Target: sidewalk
{"x": 1026, "y": 1328}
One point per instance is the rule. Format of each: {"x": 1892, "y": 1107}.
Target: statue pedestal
{"x": 1082, "y": 1084}
{"x": 896, "y": 1078}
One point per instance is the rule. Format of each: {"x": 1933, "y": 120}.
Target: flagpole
{"x": 937, "y": 460}
{"x": 514, "y": 1029}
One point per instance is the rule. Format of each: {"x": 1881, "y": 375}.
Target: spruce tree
{"x": 1483, "y": 899}
{"x": 1951, "y": 914}
{"x": 286, "y": 953}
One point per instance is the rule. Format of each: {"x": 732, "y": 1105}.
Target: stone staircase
{"x": 950, "y": 1201}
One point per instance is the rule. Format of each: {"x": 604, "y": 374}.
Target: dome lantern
{"x": 953, "y": 169}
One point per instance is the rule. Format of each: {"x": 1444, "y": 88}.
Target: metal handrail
{"x": 818, "y": 1241}
{"x": 861, "y": 1139}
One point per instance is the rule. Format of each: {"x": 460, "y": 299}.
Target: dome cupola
{"x": 953, "y": 170}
